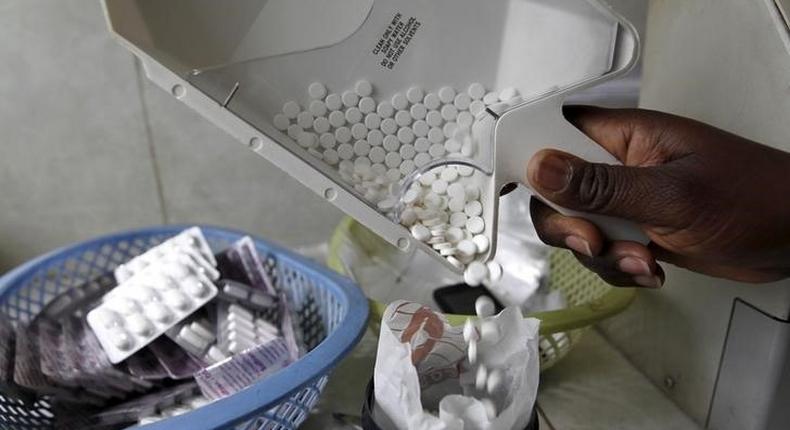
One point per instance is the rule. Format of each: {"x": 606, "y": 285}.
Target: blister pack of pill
{"x": 146, "y": 305}
{"x": 189, "y": 246}
{"x": 236, "y": 373}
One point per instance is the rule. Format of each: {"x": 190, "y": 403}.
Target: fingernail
{"x": 553, "y": 173}
{"x": 634, "y": 266}
{"x": 579, "y": 245}
{"x": 648, "y": 281}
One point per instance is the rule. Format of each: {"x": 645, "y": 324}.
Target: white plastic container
{"x": 237, "y": 62}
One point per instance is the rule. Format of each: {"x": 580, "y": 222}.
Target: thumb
{"x": 641, "y": 194}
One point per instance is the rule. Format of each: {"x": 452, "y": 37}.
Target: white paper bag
{"x": 423, "y": 380}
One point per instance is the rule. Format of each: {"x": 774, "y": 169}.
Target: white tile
{"x": 74, "y": 161}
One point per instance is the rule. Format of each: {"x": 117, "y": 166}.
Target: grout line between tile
{"x": 150, "y": 140}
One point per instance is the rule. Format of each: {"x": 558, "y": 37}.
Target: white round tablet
{"x": 400, "y": 102}
{"x": 420, "y": 232}
{"x": 361, "y": 148}
{"x": 466, "y": 248}
{"x": 454, "y": 234}
{"x": 359, "y": 131}
{"x": 418, "y": 111}
{"x": 316, "y": 90}
{"x": 432, "y": 101}
{"x": 337, "y": 118}
{"x": 393, "y": 174}
{"x": 422, "y": 144}
{"x": 449, "y": 174}
{"x": 422, "y": 159}
{"x": 291, "y": 109}
{"x": 403, "y": 118}
{"x": 455, "y": 204}
{"x": 478, "y": 273}
{"x": 408, "y": 217}
{"x": 439, "y": 186}
{"x": 389, "y": 126}
{"x": 391, "y": 143}
{"x": 350, "y": 99}
{"x": 436, "y": 150}
{"x": 281, "y": 122}
{"x": 331, "y": 157}
{"x": 294, "y": 131}
{"x": 375, "y": 137}
{"x": 372, "y": 121}
{"x": 482, "y": 243}
{"x": 407, "y": 167}
{"x": 473, "y": 208}
{"x": 465, "y": 120}
{"x": 353, "y": 115}
{"x": 392, "y": 160}
{"x": 385, "y": 109}
{"x": 406, "y": 135}
{"x": 446, "y": 94}
{"x": 457, "y": 191}
{"x": 462, "y": 101}
{"x": 475, "y": 225}
{"x": 436, "y": 135}
{"x": 343, "y": 135}
{"x": 449, "y": 112}
{"x": 407, "y": 152}
{"x": 121, "y": 339}
{"x": 379, "y": 169}
{"x": 491, "y": 98}
{"x": 434, "y": 118}
{"x": 321, "y": 125}
{"x": 420, "y": 128}
{"x": 484, "y": 305}
{"x": 333, "y": 102}
{"x": 495, "y": 271}
{"x": 476, "y": 91}
{"x": 307, "y": 140}
{"x": 377, "y": 154}
{"x": 363, "y": 88}
{"x": 472, "y": 192}
{"x": 449, "y": 129}
{"x": 477, "y": 107}
{"x": 367, "y": 105}
{"x": 345, "y": 151}
{"x": 458, "y": 219}
{"x": 305, "y": 119}
{"x": 318, "y": 108}
{"x": 415, "y": 94}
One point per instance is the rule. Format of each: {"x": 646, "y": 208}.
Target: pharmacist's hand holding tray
{"x": 408, "y": 115}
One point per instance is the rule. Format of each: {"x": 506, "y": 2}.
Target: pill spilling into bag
{"x": 172, "y": 329}
{"x": 431, "y": 375}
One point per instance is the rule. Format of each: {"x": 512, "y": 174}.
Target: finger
{"x": 626, "y": 264}
{"x": 647, "y": 195}
{"x": 555, "y": 229}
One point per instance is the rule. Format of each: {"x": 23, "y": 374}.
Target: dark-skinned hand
{"x": 709, "y": 201}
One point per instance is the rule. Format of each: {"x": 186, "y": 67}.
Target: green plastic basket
{"x": 589, "y": 299}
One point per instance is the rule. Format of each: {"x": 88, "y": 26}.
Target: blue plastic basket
{"x": 332, "y": 310}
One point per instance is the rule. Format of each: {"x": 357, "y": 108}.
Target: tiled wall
{"x": 89, "y": 146}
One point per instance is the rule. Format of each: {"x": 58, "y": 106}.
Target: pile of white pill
{"x": 374, "y": 142}
{"x": 487, "y": 381}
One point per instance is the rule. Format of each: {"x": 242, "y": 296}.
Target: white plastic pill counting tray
{"x": 359, "y": 99}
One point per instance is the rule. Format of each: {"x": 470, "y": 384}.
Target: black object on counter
{"x": 460, "y": 299}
